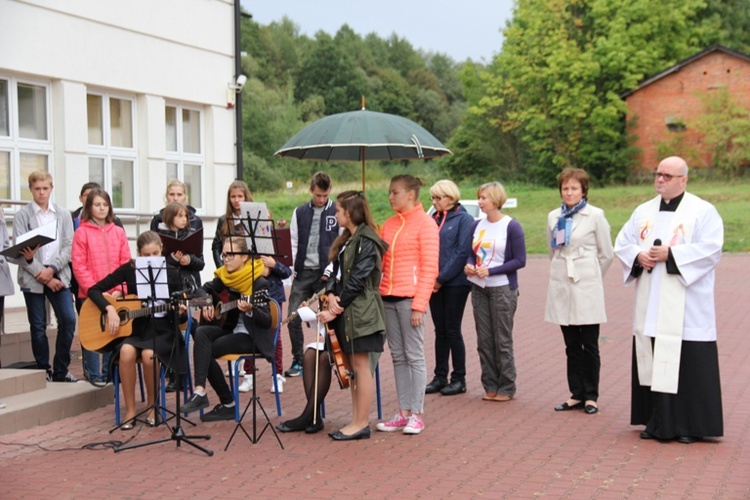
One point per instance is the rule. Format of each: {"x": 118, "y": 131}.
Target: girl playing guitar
{"x": 140, "y": 342}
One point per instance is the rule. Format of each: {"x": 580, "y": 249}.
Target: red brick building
{"x": 666, "y": 105}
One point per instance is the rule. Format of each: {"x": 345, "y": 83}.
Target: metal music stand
{"x": 153, "y": 286}
{"x": 261, "y": 241}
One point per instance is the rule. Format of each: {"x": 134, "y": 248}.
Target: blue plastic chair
{"x": 234, "y": 371}
{"x": 116, "y": 383}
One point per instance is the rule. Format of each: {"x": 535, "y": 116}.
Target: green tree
{"x": 564, "y": 64}
{"x": 389, "y": 92}
{"x": 329, "y": 71}
{"x": 725, "y": 126}
{"x": 727, "y": 22}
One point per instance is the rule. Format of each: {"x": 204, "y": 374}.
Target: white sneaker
{"x": 279, "y": 381}
{"x": 247, "y": 384}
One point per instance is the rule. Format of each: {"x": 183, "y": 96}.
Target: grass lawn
{"x": 732, "y": 199}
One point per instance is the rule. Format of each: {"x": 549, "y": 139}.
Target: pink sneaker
{"x": 415, "y": 424}
{"x": 396, "y": 423}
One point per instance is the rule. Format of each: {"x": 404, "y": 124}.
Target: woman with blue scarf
{"x": 581, "y": 251}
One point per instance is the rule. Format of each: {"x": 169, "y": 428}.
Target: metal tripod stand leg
{"x": 255, "y": 402}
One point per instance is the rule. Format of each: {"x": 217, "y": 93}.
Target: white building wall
{"x": 159, "y": 52}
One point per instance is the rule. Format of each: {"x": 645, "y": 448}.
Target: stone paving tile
{"x": 470, "y": 448}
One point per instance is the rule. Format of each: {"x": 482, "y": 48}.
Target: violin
{"x": 339, "y": 361}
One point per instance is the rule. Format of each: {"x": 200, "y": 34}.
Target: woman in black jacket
{"x": 451, "y": 289}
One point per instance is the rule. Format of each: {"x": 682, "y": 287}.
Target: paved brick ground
{"x": 470, "y": 448}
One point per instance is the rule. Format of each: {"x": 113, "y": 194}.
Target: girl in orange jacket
{"x": 410, "y": 268}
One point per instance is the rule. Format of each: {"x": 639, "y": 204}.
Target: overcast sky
{"x": 460, "y": 28}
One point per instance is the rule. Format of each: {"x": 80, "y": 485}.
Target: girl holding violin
{"x": 355, "y": 313}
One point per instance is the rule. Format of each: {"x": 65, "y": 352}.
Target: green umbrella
{"x": 363, "y": 135}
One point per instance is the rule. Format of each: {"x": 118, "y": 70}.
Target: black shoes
{"x": 362, "y": 434}
{"x": 220, "y": 412}
{"x": 591, "y": 409}
{"x": 195, "y": 403}
{"x": 687, "y": 439}
{"x": 309, "y": 428}
{"x": 566, "y": 407}
{"x": 435, "y": 386}
{"x": 680, "y": 439}
{"x": 455, "y": 387}
{"x": 315, "y": 428}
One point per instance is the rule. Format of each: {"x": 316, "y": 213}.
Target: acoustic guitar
{"x": 92, "y": 323}
{"x": 257, "y": 298}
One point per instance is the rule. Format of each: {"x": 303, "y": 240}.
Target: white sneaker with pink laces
{"x": 396, "y": 423}
{"x": 415, "y": 424}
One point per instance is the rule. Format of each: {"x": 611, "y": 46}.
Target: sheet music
{"x": 261, "y": 226}
{"x": 159, "y": 273}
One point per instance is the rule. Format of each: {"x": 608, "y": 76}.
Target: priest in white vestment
{"x": 670, "y": 248}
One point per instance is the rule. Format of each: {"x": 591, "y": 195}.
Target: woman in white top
{"x": 498, "y": 251}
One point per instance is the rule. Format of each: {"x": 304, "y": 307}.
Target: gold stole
{"x": 660, "y": 368}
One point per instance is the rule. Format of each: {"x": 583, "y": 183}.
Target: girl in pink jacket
{"x": 99, "y": 247}
{"x": 410, "y": 268}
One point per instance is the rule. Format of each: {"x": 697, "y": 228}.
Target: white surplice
{"x": 696, "y": 248}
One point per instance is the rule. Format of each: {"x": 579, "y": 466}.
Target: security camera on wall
{"x": 240, "y": 83}
{"x": 234, "y": 88}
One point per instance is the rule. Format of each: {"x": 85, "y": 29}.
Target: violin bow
{"x": 319, "y": 327}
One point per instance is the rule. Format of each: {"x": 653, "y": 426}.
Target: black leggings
{"x": 212, "y": 342}
{"x": 308, "y": 379}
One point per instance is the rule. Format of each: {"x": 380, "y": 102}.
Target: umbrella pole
{"x": 363, "y": 170}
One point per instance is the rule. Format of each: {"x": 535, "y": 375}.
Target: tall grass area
{"x": 732, "y": 199}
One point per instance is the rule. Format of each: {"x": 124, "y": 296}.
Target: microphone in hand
{"x": 657, "y": 243}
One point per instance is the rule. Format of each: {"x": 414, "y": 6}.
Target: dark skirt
{"x": 148, "y": 330}
{"x": 696, "y": 408}
{"x": 369, "y": 343}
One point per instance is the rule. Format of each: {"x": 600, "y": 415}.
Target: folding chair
{"x": 234, "y": 368}
{"x": 116, "y": 383}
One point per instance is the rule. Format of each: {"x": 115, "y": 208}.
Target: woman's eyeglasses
{"x": 228, "y": 256}
{"x": 436, "y": 198}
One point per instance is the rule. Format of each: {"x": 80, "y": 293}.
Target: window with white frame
{"x": 25, "y": 143}
{"x": 184, "y": 150}
{"x": 112, "y": 150}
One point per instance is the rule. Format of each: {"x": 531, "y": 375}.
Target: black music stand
{"x": 260, "y": 229}
{"x": 157, "y": 288}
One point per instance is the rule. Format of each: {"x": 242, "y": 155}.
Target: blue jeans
{"x": 95, "y": 365}
{"x": 62, "y": 304}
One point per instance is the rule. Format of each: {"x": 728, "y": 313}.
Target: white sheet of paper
{"x": 261, "y": 225}
{"x": 306, "y": 314}
{"x": 480, "y": 282}
{"x": 158, "y": 272}
{"x": 49, "y": 230}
